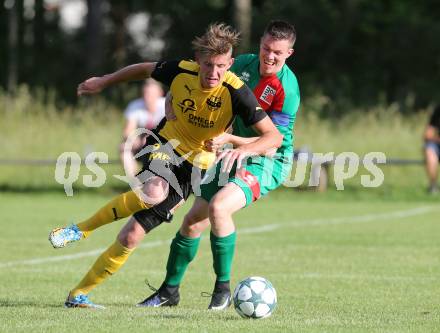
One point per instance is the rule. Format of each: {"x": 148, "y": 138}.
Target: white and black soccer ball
{"x": 255, "y": 297}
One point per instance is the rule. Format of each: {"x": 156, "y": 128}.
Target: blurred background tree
{"x": 355, "y": 52}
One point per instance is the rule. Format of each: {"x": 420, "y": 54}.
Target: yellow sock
{"x": 106, "y": 265}
{"x": 122, "y": 206}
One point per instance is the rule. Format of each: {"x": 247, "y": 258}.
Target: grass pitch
{"x": 337, "y": 265}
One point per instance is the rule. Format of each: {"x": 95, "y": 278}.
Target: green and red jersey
{"x": 278, "y": 95}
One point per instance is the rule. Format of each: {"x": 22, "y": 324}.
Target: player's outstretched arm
{"x": 134, "y": 72}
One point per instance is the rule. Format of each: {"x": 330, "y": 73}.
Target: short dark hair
{"x": 279, "y": 30}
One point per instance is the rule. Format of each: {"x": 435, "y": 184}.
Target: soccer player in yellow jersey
{"x": 206, "y": 99}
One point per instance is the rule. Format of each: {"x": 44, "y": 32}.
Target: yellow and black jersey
{"x": 203, "y": 114}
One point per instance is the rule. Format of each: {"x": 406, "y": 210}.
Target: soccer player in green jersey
{"x": 276, "y": 89}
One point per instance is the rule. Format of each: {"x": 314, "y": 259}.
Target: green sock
{"x": 182, "y": 252}
{"x": 223, "y": 252}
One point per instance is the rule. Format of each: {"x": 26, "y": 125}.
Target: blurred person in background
{"x": 144, "y": 112}
{"x": 432, "y": 149}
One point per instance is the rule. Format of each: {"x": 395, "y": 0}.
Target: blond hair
{"x": 218, "y": 39}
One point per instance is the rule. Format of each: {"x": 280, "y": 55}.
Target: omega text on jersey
{"x": 200, "y": 121}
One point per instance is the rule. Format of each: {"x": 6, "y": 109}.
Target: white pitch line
{"x": 341, "y": 220}
{"x": 266, "y": 228}
{"x": 363, "y": 277}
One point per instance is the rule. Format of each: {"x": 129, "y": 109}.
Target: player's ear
{"x": 290, "y": 52}
{"x": 231, "y": 62}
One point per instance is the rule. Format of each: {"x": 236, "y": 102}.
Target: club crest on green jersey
{"x": 245, "y": 76}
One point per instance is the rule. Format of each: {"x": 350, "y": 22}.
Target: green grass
{"x": 339, "y": 264}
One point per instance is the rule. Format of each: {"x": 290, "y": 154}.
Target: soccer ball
{"x": 255, "y": 297}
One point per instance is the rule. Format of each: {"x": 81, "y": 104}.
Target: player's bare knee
{"x": 123, "y": 239}
{"x": 189, "y": 220}
{"x": 155, "y": 190}
{"x": 217, "y": 210}
{"x": 131, "y": 234}
{"x": 189, "y": 225}
{"x": 193, "y": 227}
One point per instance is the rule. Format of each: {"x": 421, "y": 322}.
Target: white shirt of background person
{"x": 148, "y": 111}
{"x": 145, "y": 112}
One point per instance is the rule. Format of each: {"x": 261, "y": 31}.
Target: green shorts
{"x": 259, "y": 176}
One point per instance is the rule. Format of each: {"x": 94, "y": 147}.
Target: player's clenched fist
{"x": 91, "y": 86}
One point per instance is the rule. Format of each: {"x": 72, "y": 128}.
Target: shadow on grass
{"x": 212, "y": 315}
{"x": 58, "y": 189}
{"x": 181, "y": 313}
{"x": 153, "y": 313}
{"x": 8, "y": 303}
{"x": 166, "y": 315}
